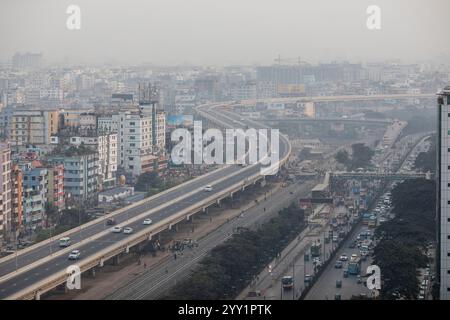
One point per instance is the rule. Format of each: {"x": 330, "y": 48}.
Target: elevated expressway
{"x": 39, "y": 268}
{"x": 341, "y": 98}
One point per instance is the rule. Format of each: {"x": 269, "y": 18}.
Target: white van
{"x": 64, "y": 242}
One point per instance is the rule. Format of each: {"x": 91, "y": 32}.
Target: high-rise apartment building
{"x": 35, "y": 186}
{"x": 17, "y": 198}
{"x": 135, "y": 142}
{"x": 5, "y": 190}
{"x": 81, "y": 175}
{"x": 33, "y": 127}
{"x": 443, "y": 191}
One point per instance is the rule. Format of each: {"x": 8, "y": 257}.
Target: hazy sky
{"x": 225, "y": 31}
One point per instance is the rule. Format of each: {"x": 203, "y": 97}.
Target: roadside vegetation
{"x": 230, "y": 267}
{"x": 426, "y": 161}
{"x": 404, "y": 239}
{"x": 151, "y": 183}
{"x": 360, "y": 157}
{"x": 63, "y": 221}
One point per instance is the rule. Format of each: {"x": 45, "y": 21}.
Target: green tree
{"x": 52, "y": 214}
{"x": 361, "y": 155}
{"x": 342, "y": 157}
{"x": 148, "y": 180}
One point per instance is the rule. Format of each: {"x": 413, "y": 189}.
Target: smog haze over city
{"x": 241, "y": 151}
{"x": 210, "y": 32}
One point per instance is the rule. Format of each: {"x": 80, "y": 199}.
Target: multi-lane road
{"x": 37, "y": 264}
{"x": 19, "y": 272}
{"x": 155, "y": 282}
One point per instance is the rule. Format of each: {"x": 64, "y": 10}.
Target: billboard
{"x": 182, "y": 120}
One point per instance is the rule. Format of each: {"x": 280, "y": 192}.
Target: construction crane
{"x": 298, "y": 60}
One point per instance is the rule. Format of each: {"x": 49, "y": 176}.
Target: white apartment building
{"x": 5, "y": 190}
{"x": 185, "y": 101}
{"x": 106, "y": 145}
{"x": 81, "y": 176}
{"x": 160, "y": 132}
{"x": 108, "y": 123}
{"x": 443, "y": 191}
{"x": 135, "y": 142}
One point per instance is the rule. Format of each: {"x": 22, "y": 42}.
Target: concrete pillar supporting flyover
{"x": 116, "y": 260}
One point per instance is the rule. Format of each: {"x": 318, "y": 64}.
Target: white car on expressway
{"x": 147, "y": 221}
{"x": 116, "y": 229}
{"x": 127, "y": 230}
{"x": 74, "y": 255}
{"x": 207, "y": 188}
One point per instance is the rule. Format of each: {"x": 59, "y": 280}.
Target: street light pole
{"x": 293, "y": 280}
{"x": 51, "y": 240}
{"x": 17, "y": 249}
{"x": 281, "y": 288}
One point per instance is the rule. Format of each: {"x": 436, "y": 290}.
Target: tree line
{"x": 404, "y": 239}
{"x": 230, "y": 267}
